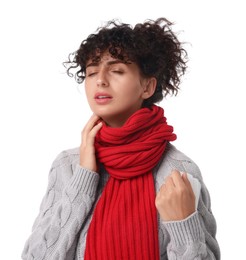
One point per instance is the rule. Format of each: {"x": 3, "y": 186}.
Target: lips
{"x": 102, "y": 98}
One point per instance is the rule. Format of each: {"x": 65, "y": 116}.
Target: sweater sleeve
{"x": 64, "y": 209}
{"x": 194, "y": 237}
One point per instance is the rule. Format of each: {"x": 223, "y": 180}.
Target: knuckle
{"x": 159, "y": 202}
{"x": 175, "y": 172}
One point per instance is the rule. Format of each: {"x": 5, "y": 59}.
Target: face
{"x": 115, "y": 90}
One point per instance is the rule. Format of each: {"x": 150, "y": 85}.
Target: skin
{"x": 127, "y": 89}
{"x": 175, "y": 200}
{"x": 118, "y": 80}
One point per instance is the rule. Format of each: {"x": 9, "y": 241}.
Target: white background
{"x": 42, "y": 110}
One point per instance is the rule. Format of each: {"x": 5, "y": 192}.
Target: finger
{"x": 177, "y": 179}
{"x": 95, "y": 129}
{"x": 163, "y": 187}
{"x": 93, "y": 133}
{"x": 186, "y": 180}
{"x": 176, "y": 174}
{"x": 90, "y": 124}
{"x": 169, "y": 184}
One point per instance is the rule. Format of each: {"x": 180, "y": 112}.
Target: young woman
{"x": 126, "y": 192}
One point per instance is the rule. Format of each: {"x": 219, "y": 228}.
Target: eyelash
{"x": 91, "y": 74}
{"x": 118, "y": 71}
{"x": 114, "y": 71}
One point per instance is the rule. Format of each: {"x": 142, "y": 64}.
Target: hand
{"x": 87, "y": 148}
{"x": 176, "y": 199}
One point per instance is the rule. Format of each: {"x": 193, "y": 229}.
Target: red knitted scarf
{"x": 124, "y": 223}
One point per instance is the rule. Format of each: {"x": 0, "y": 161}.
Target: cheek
{"x": 134, "y": 90}
{"x": 86, "y": 93}
{"x": 87, "y": 89}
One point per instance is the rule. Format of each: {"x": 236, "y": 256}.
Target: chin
{"x": 108, "y": 119}
{"x": 102, "y": 112}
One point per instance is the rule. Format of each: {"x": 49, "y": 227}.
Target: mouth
{"x": 102, "y": 98}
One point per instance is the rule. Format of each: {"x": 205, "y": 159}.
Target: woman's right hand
{"x": 87, "y": 148}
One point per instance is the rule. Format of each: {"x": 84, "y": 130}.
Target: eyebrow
{"x": 108, "y": 63}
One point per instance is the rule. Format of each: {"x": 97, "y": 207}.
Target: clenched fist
{"x": 176, "y": 199}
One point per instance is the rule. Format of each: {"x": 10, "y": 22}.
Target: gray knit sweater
{"x": 59, "y": 231}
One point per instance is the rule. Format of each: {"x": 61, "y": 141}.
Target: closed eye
{"x": 118, "y": 71}
{"x": 90, "y": 74}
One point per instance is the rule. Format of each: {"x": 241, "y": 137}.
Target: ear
{"x": 149, "y": 87}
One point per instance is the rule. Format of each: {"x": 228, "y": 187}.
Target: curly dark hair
{"x": 152, "y": 45}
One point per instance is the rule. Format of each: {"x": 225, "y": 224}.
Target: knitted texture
{"x": 124, "y": 224}
{"x": 70, "y": 184}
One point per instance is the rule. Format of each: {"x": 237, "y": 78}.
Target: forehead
{"x": 103, "y": 57}
{"x": 106, "y": 59}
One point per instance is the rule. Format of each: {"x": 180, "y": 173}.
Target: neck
{"x": 115, "y": 122}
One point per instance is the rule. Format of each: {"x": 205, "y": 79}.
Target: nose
{"x": 102, "y": 79}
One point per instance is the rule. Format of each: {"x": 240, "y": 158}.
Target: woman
{"x": 126, "y": 192}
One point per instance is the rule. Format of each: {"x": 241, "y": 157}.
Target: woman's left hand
{"x": 176, "y": 199}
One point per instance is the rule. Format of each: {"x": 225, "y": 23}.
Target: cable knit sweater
{"x": 59, "y": 231}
